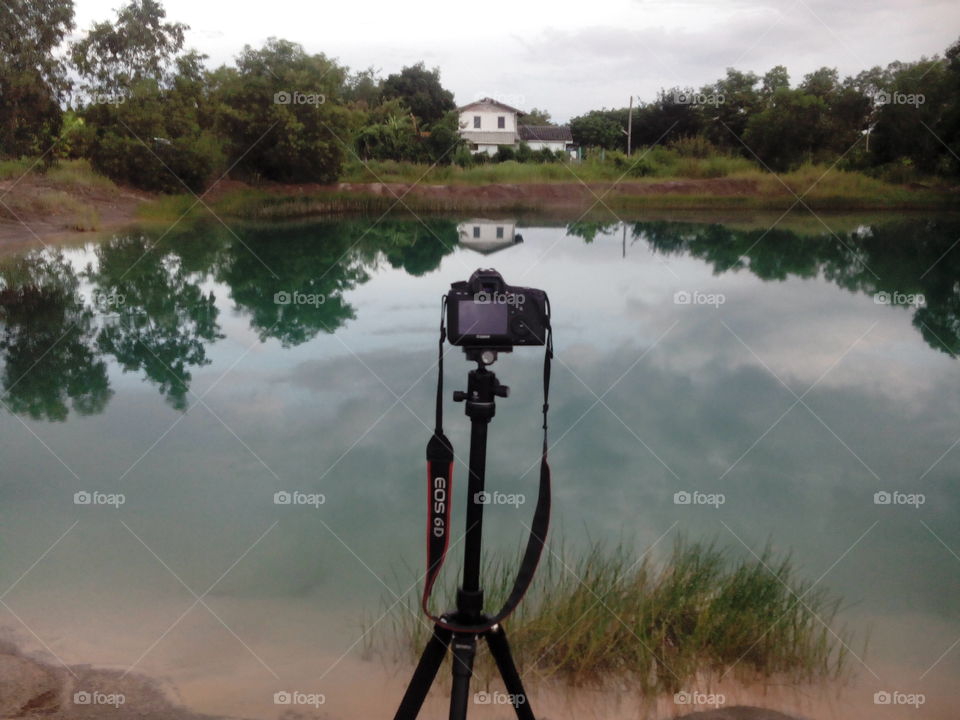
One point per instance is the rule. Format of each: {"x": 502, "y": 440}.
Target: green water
{"x": 160, "y": 365}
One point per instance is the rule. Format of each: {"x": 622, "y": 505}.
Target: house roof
{"x": 489, "y": 103}
{"x": 546, "y": 133}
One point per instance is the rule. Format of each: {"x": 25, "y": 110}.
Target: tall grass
{"x": 654, "y": 163}
{"x": 606, "y": 617}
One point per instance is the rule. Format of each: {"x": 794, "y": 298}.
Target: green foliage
{"x": 790, "y": 130}
{"x": 279, "y": 113}
{"x": 138, "y": 45}
{"x": 32, "y": 78}
{"x": 598, "y": 128}
{"x": 421, "y": 91}
{"x": 142, "y": 143}
{"x": 504, "y": 153}
{"x": 524, "y": 153}
{"x": 444, "y": 141}
{"x": 535, "y": 116}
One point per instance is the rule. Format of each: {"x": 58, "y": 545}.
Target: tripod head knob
{"x": 501, "y": 391}
{"x": 459, "y": 396}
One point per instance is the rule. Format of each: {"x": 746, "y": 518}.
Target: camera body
{"x": 485, "y": 312}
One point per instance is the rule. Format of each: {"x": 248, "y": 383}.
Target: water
{"x": 805, "y": 375}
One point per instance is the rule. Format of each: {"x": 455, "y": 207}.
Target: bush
{"x": 504, "y": 153}
{"x": 694, "y": 146}
{"x": 524, "y": 153}
{"x": 463, "y": 157}
{"x": 162, "y": 166}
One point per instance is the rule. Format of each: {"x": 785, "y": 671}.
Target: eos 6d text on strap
{"x": 485, "y": 317}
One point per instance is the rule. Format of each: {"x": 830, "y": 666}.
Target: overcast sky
{"x": 569, "y": 57}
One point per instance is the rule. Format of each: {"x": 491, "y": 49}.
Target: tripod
{"x": 482, "y": 388}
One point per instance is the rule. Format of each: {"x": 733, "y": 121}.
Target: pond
{"x": 796, "y": 387}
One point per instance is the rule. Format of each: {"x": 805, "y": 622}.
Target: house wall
{"x": 482, "y": 233}
{"x": 488, "y": 120}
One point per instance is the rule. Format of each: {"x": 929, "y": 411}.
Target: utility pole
{"x": 630, "y": 128}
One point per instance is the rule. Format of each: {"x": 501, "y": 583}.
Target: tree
{"x": 139, "y": 45}
{"x": 32, "y": 79}
{"x": 776, "y": 78}
{"x": 822, "y": 82}
{"x": 919, "y": 94}
{"x": 789, "y": 130}
{"x": 280, "y": 114}
{"x": 387, "y": 133}
{"x": 146, "y": 107}
{"x": 597, "y": 128}
{"x": 737, "y": 99}
{"x": 444, "y": 139}
{"x": 672, "y": 115}
{"x": 421, "y": 91}
{"x": 363, "y": 88}
{"x": 537, "y": 117}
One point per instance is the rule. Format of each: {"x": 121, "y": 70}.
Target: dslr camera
{"x": 486, "y": 313}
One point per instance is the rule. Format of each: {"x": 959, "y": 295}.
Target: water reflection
{"x": 149, "y": 301}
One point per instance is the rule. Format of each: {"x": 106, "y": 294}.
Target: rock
{"x": 26, "y": 687}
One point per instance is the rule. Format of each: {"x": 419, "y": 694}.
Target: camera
{"x": 485, "y": 312}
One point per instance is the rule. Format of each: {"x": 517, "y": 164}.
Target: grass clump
{"x": 606, "y": 617}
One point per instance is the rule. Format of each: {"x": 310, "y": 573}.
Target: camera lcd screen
{"x": 482, "y": 318}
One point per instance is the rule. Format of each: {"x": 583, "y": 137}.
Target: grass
{"x": 659, "y": 163}
{"x": 606, "y": 618}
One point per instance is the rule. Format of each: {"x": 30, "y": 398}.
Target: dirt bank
{"x": 37, "y": 208}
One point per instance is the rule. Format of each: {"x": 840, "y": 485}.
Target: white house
{"x": 488, "y": 236}
{"x": 486, "y": 124}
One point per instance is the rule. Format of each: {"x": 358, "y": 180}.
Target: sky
{"x": 570, "y": 57}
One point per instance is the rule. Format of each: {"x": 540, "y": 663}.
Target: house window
{"x": 501, "y": 122}
{"x": 499, "y": 232}
{"x": 476, "y": 231}
{"x": 476, "y": 121}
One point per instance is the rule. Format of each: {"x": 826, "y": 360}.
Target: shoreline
{"x": 40, "y": 210}
{"x": 33, "y": 686}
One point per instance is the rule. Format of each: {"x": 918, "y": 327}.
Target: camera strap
{"x": 440, "y": 458}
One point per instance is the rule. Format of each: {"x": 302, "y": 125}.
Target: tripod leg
{"x": 423, "y": 676}
{"x": 464, "y": 649}
{"x": 500, "y": 649}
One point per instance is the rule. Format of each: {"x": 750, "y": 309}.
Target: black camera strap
{"x": 440, "y": 457}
